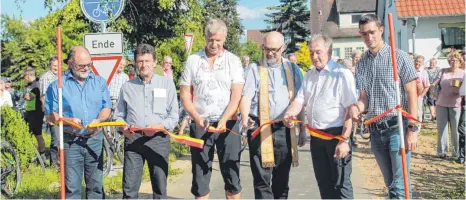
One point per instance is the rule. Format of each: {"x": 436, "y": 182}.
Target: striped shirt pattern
{"x": 374, "y": 74}
{"x": 45, "y": 81}
{"x": 115, "y": 85}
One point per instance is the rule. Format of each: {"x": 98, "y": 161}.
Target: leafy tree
{"x": 304, "y": 57}
{"x": 32, "y": 43}
{"x": 291, "y": 19}
{"x": 226, "y": 10}
{"x": 252, "y": 50}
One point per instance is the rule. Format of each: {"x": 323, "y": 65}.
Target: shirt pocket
{"x": 159, "y": 104}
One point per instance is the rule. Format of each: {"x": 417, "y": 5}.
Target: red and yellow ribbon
{"x": 193, "y": 142}
{"x": 212, "y": 129}
{"x": 398, "y": 107}
{"x": 323, "y": 135}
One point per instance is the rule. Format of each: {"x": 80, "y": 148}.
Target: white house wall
{"x": 343, "y": 43}
{"x": 428, "y": 36}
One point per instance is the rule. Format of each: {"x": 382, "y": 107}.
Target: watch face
{"x": 415, "y": 128}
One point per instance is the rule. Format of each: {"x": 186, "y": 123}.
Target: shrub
{"x": 16, "y": 131}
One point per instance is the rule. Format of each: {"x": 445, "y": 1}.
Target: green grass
{"x": 38, "y": 183}
{"x": 457, "y": 193}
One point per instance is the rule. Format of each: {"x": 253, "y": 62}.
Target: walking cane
{"x": 398, "y": 102}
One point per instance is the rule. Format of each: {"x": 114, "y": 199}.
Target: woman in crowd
{"x": 431, "y": 96}
{"x": 448, "y": 104}
{"x": 5, "y": 96}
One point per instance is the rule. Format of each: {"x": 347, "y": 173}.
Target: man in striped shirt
{"x": 119, "y": 78}
{"x": 44, "y": 83}
{"x": 374, "y": 79}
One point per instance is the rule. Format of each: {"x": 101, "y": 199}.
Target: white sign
{"x": 106, "y": 66}
{"x": 104, "y": 43}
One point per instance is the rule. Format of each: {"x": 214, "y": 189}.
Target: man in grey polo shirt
{"x": 148, "y": 100}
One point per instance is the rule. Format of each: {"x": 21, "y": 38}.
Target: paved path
{"x": 302, "y": 182}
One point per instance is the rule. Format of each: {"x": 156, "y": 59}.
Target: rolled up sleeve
{"x": 348, "y": 88}
{"x": 250, "y": 85}
{"x": 236, "y": 71}
{"x": 172, "y": 111}
{"x": 186, "y": 75}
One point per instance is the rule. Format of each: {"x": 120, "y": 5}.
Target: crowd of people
{"x": 217, "y": 87}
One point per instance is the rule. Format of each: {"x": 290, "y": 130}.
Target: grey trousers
{"x": 447, "y": 119}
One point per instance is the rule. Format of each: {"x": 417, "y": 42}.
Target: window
{"x": 452, "y": 37}
{"x": 336, "y": 52}
{"x": 355, "y": 18}
{"x": 360, "y": 49}
{"x": 348, "y": 52}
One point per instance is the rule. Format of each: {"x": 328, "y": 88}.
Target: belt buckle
{"x": 381, "y": 126}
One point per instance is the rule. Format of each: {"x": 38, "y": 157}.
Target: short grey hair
{"x": 215, "y": 26}
{"x": 419, "y": 57}
{"x": 355, "y": 52}
{"x": 347, "y": 62}
{"x": 328, "y": 42}
{"x": 433, "y": 58}
{"x": 167, "y": 57}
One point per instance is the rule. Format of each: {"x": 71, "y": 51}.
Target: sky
{"x": 252, "y": 12}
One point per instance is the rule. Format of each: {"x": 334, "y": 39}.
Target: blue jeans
{"x": 84, "y": 156}
{"x": 385, "y": 144}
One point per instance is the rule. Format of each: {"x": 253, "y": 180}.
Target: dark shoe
{"x": 442, "y": 156}
{"x": 460, "y": 160}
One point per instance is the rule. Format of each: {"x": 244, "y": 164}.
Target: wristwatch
{"x": 415, "y": 128}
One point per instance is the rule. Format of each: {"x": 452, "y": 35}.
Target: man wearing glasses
{"x": 275, "y": 82}
{"x": 86, "y": 100}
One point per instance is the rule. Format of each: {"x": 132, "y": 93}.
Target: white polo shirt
{"x": 212, "y": 87}
{"x": 326, "y": 94}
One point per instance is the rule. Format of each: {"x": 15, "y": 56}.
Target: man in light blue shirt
{"x": 86, "y": 100}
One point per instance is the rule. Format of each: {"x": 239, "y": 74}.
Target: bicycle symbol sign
{"x": 102, "y": 10}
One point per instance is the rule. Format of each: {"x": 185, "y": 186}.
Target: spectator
{"x": 347, "y": 62}
{"x": 44, "y": 83}
{"x": 448, "y": 104}
{"x": 356, "y": 56}
{"x": 462, "y": 124}
{"x": 34, "y": 114}
{"x": 5, "y": 96}
{"x": 131, "y": 71}
{"x": 411, "y": 55}
{"x": 118, "y": 79}
{"x": 14, "y": 97}
{"x": 423, "y": 82}
{"x": 167, "y": 67}
{"x": 245, "y": 62}
{"x": 292, "y": 58}
{"x": 431, "y": 96}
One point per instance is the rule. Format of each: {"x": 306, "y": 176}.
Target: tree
{"x": 226, "y": 10}
{"x": 32, "y": 43}
{"x": 291, "y": 19}
{"x": 252, "y": 50}
{"x": 304, "y": 57}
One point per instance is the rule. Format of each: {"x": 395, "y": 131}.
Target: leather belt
{"x": 379, "y": 126}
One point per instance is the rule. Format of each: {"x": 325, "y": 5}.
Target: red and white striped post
{"x": 60, "y": 114}
{"x": 398, "y": 102}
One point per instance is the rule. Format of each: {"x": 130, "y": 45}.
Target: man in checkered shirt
{"x": 118, "y": 79}
{"x": 374, "y": 79}
{"x": 44, "y": 82}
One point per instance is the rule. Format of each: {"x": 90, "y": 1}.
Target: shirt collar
{"x": 204, "y": 54}
{"x": 384, "y": 50}
{"x": 330, "y": 65}
{"x": 142, "y": 82}
{"x": 69, "y": 75}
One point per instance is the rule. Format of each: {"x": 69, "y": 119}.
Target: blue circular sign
{"x": 102, "y": 10}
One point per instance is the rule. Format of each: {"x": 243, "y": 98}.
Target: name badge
{"x": 159, "y": 92}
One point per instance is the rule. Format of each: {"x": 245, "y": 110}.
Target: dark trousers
{"x": 271, "y": 183}
{"x": 461, "y": 130}
{"x": 155, "y": 150}
{"x": 55, "y": 142}
{"x": 84, "y": 156}
{"x": 333, "y": 175}
{"x": 228, "y": 148}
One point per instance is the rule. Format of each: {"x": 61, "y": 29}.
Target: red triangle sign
{"x": 106, "y": 66}
{"x": 188, "y": 42}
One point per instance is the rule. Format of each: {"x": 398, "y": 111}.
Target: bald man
{"x": 275, "y": 149}
{"x": 86, "y": 100}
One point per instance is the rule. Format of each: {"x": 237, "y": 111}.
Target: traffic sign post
{"x": 188, "y": 42}
{"x": 106, "y": 66}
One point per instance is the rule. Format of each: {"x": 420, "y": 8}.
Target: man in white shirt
{"x": 211, "y": 86}
{"x": 327, "y": 92}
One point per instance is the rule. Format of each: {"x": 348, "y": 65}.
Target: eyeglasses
{"x": 273, "y": 51}
{"x": 83, "y": 66}
{"x": 453, "y": 61}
